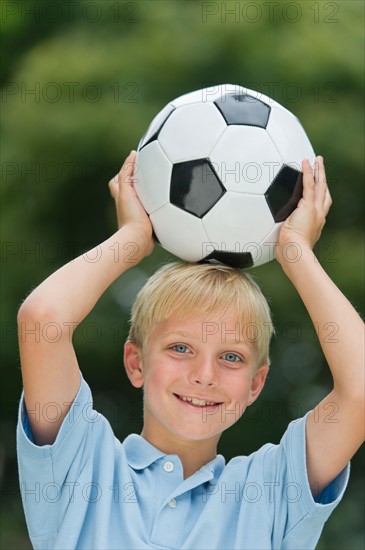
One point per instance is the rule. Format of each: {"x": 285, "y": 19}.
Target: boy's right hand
{"x": 130, "y": 211}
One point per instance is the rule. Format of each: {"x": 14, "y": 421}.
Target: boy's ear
{"x": 258, "y": 382}
{"x": 133, "y": 363}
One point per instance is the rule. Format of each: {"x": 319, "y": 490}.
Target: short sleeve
{"x": 47, "y": 472}
{"x": 79, "y": 418}
{"x": 299, "y": 518}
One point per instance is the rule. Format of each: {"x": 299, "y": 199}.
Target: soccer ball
{"x": 218, "y": 171}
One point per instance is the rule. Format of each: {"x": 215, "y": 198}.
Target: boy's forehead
{"x": 229, "y": 327}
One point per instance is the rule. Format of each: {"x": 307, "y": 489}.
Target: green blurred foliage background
{"x": 81, "y": 80}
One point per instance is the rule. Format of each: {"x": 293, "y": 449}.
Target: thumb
{"x": 114, "y": 187}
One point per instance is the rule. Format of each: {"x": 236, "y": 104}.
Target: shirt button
{"x": 172, "y": 503}
{"x": 168, "y": 466}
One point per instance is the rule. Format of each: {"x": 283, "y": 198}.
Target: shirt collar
{"x": 140, "y": 454}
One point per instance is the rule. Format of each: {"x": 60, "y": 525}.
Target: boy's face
{"x": 205, "y": 359}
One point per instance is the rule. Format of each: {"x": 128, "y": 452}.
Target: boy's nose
{"x": 204, "y": 372}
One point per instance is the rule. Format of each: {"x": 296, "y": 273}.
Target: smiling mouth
{"x": 197, "y": 403}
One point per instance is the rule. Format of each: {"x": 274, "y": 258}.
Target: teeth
{"x": 198, "y": 402}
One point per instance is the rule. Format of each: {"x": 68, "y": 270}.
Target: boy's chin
{"x": 198, "y": 435}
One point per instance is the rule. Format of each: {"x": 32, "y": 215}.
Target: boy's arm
{"x": 50, "y": 314}
{"x": 335, "y": 429}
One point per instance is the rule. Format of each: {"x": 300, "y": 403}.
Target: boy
{"x": 190, "y": 350}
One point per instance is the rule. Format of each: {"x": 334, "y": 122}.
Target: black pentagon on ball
{"x": 243, "y": 109}
{"x": 195, "y": 186}
{"x": 240, "y": 260}
{"x": 164, "y": 115}
{"x": 285, "y": 192}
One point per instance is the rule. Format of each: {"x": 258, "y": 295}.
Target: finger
{"x": 114, "y": 186}
{"x": 321, "y": 170}
{"x": 123, "y": 172}
{"x": 327, "y": 202}
{"x": 308, "y": 182}
{"x": 126, "y": 172}
{"x": 316, "y": 169}
{"x": 321, "y": 184}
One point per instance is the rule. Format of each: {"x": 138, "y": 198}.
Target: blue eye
{"x": 232, "y": 357}
{"x": 180, "y": 348}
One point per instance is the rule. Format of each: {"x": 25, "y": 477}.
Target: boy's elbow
{"x": 35, "y": 309}
{"x": 36, "y": 314}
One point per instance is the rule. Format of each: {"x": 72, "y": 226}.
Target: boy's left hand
{"x": 305, "y": 224}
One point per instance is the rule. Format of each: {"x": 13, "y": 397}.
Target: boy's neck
{"x": 192, "y": 454}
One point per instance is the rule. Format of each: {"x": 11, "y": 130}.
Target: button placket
{"x": 174, "y": 506}
{"x": 169, "y": 467}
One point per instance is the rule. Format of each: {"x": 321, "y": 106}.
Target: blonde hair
{"x": 190, "y": 290}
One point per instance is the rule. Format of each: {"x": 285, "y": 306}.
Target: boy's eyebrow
{"x": 188, "y": 335}
{"x": 179, "y": 332}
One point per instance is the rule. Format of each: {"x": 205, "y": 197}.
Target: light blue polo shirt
{"x": 90, "y": 491}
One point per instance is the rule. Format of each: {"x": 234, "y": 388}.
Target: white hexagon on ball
{"x": 200, "y": 126}
{"x": 268, "y": 245}
{"x": 179, "y": 232}
{"x": 245, "y": 159}
{"x": 282, "y": 126}
{"x": 238, "y": 220}
{"x": 152, "y": 177}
